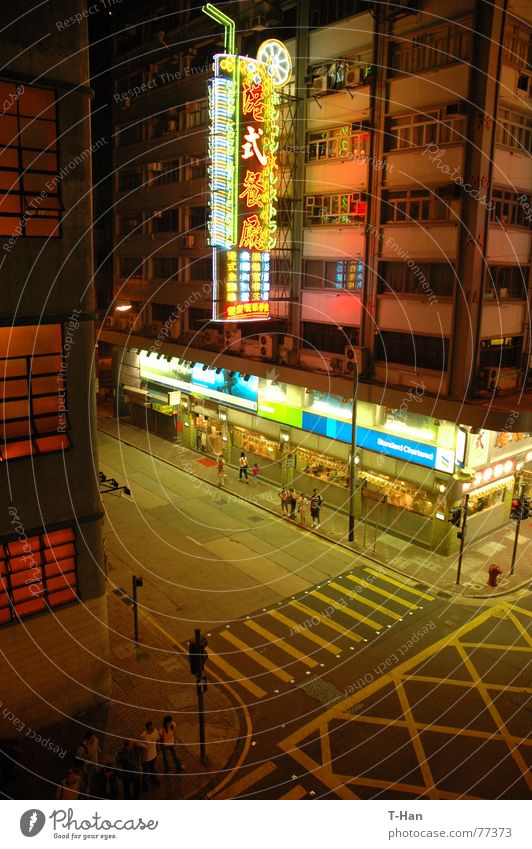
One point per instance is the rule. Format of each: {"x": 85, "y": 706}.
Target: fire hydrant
{"x": 493, "y": 574}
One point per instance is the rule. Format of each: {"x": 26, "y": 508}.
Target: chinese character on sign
{"x": 250, "y": 146}
{"x": 252, "y": 234}
{"x": 253, "y": 189}
{"x": 252, "y": 101}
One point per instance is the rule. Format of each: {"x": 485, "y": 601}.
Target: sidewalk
{"x": 399, "y": 555}
{"x": 150, "y": 679}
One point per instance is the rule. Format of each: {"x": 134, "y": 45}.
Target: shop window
{"x": 514, "y": 130}
{"x": 165, "y": 267}
{"x": 33, "y": 417}
{"x": 506, "y": 281}
{"x": 501, "y": 352}
{"x": 419, "y": 129}
{"x": 337, "y": 143}
{"x": 323, "y": 468}
{"x": 335, "y": 209}
{"x": 166, "y": 222}
{"x": 328, "y": 337}
{"x": 415, "y": 205}
{"x": 29, "y": 197}
{"x": 397, "y": 493}
{"x": 428, "y": 352}
{"x": 131, "y": 267}
{"x": 511, "y": 209}
{"x": 255, "y": 443}
{"x": 441, "y": 46}
{"x": 333, "y": 274}
{"x": 37, "y": 574}
{"x": 436, "y": 278}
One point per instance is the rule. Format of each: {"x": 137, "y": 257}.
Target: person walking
{"x": 168, "y": 747}
{"x": 292, "y": 500}
{"x": 221, "y": 470}
{"x": 243, "y": 463}
{"x": 149, "y": 739}
{"x": 129, "y": 763}
{"x": 302, "y": 508}
{"x": 255, "y": 473}
{"x": 284, "y": 496}
{"x": 69, "y": 787}
{"x": 315, "y": 504}
{"x": 105, "y": 784}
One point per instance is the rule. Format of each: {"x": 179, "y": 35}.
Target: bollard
{"x": 493, "y": 574}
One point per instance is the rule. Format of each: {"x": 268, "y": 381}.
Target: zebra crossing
{"x": 281, "y": 646}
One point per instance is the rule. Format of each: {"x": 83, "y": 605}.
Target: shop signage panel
{"x": 278, "y": 412}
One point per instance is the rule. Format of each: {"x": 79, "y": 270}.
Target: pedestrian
{"x": 292, "y": 499}
{"x": 168, "y": 747}
{"x": 315, "y": 504}
{"x": 255, "y": 473}
{"x": 105, "y": 784}
{"x": 243, "y": 463}
{"x": 129, "y": 763}
{"x": 149, "y": 739}
{"x": 221, "y": 470}
{"x": 88, "y": 758}
{"x": 69, "y": 787}
{"x": 302, "y": 508}
{"x": 284, "y": 496}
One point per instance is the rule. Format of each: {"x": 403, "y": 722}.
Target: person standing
{"x": 221, "y": 470}
{"x": 292, "y": 499}
{"x": 149, "y": 739}
{"x": 255, "y": 473}
{"x": 168, "y": 747}
{"x": 105, "y": 784}
{"x": 69, "y": 787}
{"x": 302, "y": 507}
{"x": 284, "y": 496}
{"x": 129, "y": 764}
{"x": 88, "y": 757}
{"x": 243, "y": 463}
{"x": 315, "y": 504}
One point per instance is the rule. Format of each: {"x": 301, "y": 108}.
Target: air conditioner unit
{"x": 213, "y": 338}
{"x": 355, "y": 356}
{"x": 500, "y": 379}
{"x": 321, "y": 84}
{"x": 268, "y": 345}
{"x": 336, "y": 365}
{"x": 353, "y": 76}
{"x": 232, "y": 338}
{"x": 188, "y": 241}
{"x": 155, "y": 166}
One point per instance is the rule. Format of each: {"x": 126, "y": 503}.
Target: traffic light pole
{"x": 462, "y": 538}
{"x": 197, "y": 657}
{"x": 200, "y": 689}
{"x": 517, "y": 525}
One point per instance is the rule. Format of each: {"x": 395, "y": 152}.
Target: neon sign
{"x": 243, "y": 143}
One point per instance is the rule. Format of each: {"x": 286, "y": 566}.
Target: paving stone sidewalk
{"x": 399, "y": 555}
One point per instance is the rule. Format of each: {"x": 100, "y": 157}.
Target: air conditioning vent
{"x": 355, "y": 357}
{"x": 320, "y": 85}
{"x": 232, "y": 338}
{"x": 353, "y": 77}
{"x": 268, "y": 345}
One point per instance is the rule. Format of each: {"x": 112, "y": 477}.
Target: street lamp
{"x": 353, "y": 455}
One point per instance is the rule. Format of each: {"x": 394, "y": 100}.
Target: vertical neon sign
{"x": 243, "y": 143}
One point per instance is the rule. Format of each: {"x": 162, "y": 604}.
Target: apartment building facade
{"x": 53, "y": 620}
{"x": 403, "y": 255}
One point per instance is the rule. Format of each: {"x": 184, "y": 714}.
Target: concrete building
{"x": 403, "y": 255}
{"x": 53, "y": 621}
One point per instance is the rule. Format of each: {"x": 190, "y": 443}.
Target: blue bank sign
{"x": 408, "y": 450}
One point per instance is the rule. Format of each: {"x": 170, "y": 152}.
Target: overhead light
{"x": 246, "y": 377}
{"x": 205, "y": 367}
{"x": 219, "y": 370}
{"x": 122, "y": 306}
{"x": 101, "y": 477}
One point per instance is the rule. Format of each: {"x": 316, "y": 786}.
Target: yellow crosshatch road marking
{"x": 243, "y": 784}
{"x": 326, "y": 621}
{"x": 352, "y": 613}
{"x": 392, "y": 596}
{"x": 362, "y": 600}
{"x": 258, "y": 658}
{"x": 305, "y": 632}
{"x": 236, "y": 676}
{"x": 352, "y": 710}
{"x": 296, "y": 792}
{"x": 401, "y": 586}
{"x": 282, "y": 644}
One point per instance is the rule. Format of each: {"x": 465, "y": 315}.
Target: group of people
{"x": 296, "y": 505}
{"x": 134, "y": 769}
{"x": 242, "y": 471}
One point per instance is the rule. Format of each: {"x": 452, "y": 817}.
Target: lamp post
{"x": 353, "y": 457}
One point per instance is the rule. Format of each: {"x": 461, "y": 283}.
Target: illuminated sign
{"x": 243, "y": 143}
{"x": 491, "y": 474}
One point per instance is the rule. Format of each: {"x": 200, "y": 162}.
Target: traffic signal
{"x": 516, "y": 510}
{"x": 197, "y": 654}
{"x": 526, "y": 507}
{"x": 456, "y": 516}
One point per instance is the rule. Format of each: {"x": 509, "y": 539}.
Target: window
{"x": 171, "y": 172}
{"x": 328, "y": 337}
{"x": 439, "y": 126}
{"x": 335, "y": 209}
{"x": 416, "y": 205}
{"x": 435, "y": 278}
{"x": 33, "y": 409}
{"x": 166, "y": 222}
{"x": 441, "y": 46}
{"x": 518, "y": 46}
{"x": 29, "y": 196}
{"x": 130, "y": 134}
{"x": 322, "y": 13}
{"x": 337, "y": 143}
{"x": 514, "y": 130}
{"x": 165, "y": 267}
{"x": 201, "y": 269}
{"x": 524, "y": 85}
{"x": 511, "y": 209}
{"x": 418, "y": 351}
{"x": 37, "y": 574}
{"x": 129, "y": 224}
{"x": 197, "y": 113}
{"x": 162, "y": 312}
{"x": 131, "y": 267}
{"x": 196, "y": 169}
{"x": 506, "y": 281}
{"x": 129, "y": 179}
{"x": 197, "y": 217}
{"x": 333, "y": 274}
{"x": 501, "y": 353}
